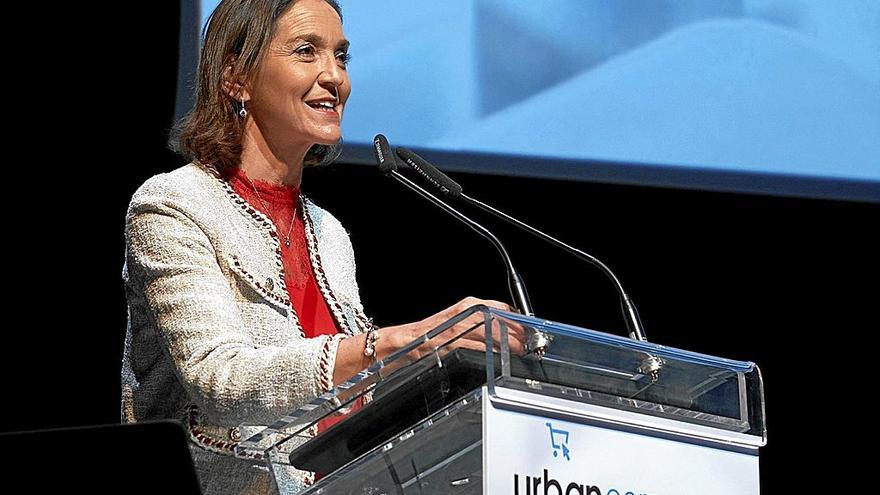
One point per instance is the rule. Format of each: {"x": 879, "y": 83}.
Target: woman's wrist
{"x": 371, "y": 345}
{"x": 393, "y": 338}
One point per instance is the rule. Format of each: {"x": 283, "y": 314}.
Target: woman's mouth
{"x": 326, "y": 108}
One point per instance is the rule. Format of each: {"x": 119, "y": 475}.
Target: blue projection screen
{"x": 767, "y": 96}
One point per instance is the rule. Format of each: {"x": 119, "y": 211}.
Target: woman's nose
{"x": 332, "y": 75}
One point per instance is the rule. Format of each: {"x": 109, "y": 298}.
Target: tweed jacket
{"x": 212, "y": 338}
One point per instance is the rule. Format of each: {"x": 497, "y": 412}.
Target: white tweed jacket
{"x": 212, "y": 338}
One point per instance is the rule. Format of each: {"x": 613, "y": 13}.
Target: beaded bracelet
{"x": 370, "y": 344}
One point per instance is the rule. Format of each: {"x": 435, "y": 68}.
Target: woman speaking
{"x": 242, "y": 298}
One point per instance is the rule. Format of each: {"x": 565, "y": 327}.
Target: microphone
{"x": 453, "y": 189}
{"x": 538, "y": 341}
{"x": 382, "y": 150}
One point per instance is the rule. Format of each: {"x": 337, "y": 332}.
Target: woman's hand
{"x": 393, "y": 338}
{"x": 350, "y": 357}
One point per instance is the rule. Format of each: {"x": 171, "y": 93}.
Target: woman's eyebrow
{"x": 317, "y": 40}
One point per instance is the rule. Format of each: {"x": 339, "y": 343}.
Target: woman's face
{"x": 299, "y": 92}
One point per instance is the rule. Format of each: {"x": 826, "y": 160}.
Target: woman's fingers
{"x": 472, "y": 329}
{"x": 470, "y": 332}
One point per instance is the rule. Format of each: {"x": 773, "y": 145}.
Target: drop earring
{"x": 242, "y": 113}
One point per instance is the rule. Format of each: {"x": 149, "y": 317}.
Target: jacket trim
{"x": 320, "y": 275}
{"x": 267, "y": 225}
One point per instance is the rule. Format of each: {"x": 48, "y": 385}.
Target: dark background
{"x": 787, "y": 283}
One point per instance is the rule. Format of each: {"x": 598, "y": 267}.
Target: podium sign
{"x": 527, "y": 454}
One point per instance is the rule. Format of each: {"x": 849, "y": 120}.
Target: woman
{"x": 242, "y": 298}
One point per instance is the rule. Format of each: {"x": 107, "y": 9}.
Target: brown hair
{"x": 235, "y": 36}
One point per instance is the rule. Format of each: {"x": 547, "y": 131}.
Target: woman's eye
{"x": 343, "y": 57}
{"x": 305, "y": 50}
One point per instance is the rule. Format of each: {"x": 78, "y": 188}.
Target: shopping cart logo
{"x": 559, "y": 442}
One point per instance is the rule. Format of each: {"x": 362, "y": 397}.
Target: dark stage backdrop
{"x": 783, "y": 282}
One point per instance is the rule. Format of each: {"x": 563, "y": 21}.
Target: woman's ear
{"x": 236, "y": 90}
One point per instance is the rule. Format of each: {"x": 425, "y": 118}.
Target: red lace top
{"x": 281, "y": 204}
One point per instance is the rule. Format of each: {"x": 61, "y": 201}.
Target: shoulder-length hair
{"x": 235, "y": 37}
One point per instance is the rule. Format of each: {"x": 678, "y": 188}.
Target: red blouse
{"x": 281, "y": 204}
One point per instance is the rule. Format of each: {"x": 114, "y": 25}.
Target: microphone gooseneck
{"x": 387, "y": 164}
{"x": 385, "y": 158}
{"x": 449, "y": 187}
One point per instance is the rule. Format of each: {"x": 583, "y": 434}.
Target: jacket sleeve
{"x": 173, "y": 265}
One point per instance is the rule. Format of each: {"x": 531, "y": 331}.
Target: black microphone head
{"x": 437, "y": 178}
{"x": 384, "y": 156}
